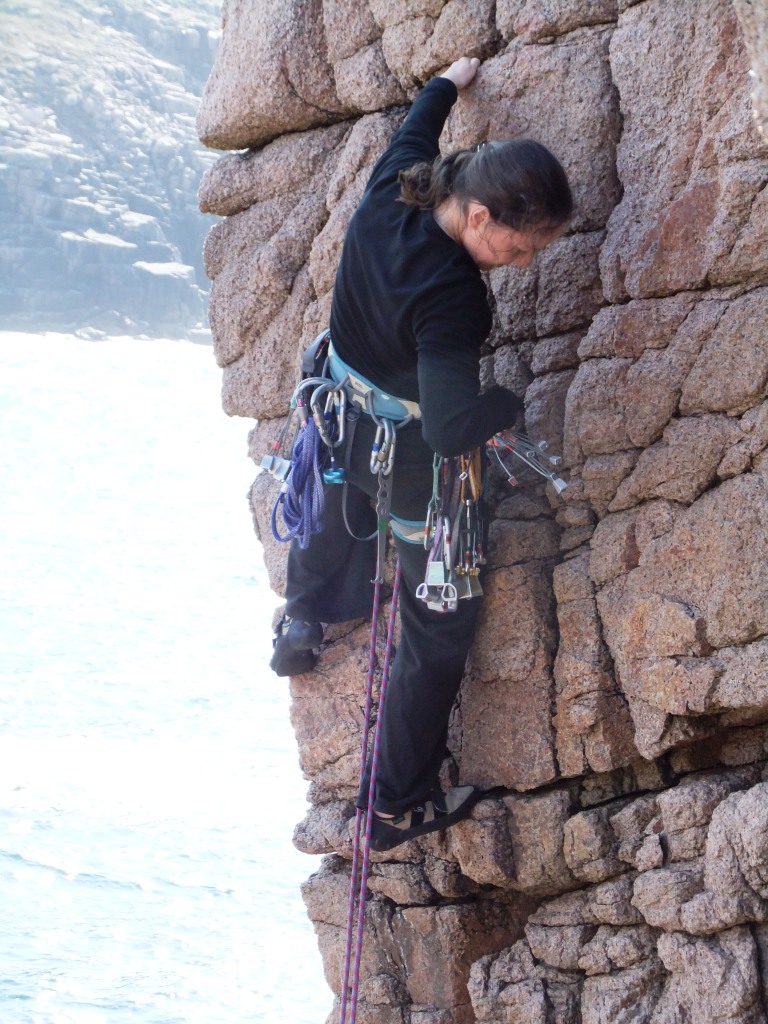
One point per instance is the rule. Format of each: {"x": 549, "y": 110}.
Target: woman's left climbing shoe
{"x": 433, "y": 815}
{"x": 292, "y": 652}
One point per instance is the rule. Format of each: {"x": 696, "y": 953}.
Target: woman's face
{"x": 493, "y": 245}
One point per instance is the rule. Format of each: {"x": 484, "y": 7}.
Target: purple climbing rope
{"x": 301, "y": 498}
{"x": 359, "y": 875}
{"x": 353, "y": 881}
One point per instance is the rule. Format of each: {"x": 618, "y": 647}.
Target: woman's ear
{"x": 477, "y": 216}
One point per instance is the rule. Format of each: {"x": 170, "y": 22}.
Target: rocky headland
{"x": 616, "y": 702}
{"x": 99, "y": 165}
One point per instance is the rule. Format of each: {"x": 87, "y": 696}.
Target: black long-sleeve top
{"x": 410, "y": 307}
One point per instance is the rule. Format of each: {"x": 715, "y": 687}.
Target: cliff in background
{"x": 617, "y": 695}
{"x": 99, "y": 164}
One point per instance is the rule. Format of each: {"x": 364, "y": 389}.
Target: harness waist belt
{"x": 358, "y": 387}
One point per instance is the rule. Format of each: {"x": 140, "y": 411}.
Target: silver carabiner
{"x": 383, "y": 449}
{"x": 309, "y": 382}
{"x": 376, "y": 449}
{"x": 320, "y": 415}
{"x": 430, "y": 523}
{"x": 340, "y": 401}
{"x": 377, "y": 441}
{"x": 317, "y": 394}
{"x": 298, "y": 401}
{"x": 390, "y": 436}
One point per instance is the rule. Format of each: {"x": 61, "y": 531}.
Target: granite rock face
{"x": 615, "y": 703}
{"x": 754, "y": 21}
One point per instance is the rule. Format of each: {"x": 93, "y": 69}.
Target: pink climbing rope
{"x": 358, "y": 885}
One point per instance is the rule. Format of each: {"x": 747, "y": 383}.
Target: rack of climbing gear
{"x": 534, "y": 454}
{"x": 453, "y": 530}
{"x": 453, "y": 533}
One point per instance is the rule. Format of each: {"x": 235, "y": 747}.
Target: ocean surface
{"x": 149, "y": 781}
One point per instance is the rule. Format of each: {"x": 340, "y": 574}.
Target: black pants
{"x": 330, "y": 581}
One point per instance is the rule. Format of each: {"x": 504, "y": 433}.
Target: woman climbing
{"x": 410, "y": 313}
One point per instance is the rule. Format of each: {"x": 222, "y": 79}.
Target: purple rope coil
{"x": 301, "y": 501}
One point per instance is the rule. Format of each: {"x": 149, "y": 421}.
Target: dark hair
{"x": 521, "y": 182}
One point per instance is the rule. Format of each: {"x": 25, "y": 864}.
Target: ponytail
{"x": 429, "y": 185}
{"x": 521, "y": 182}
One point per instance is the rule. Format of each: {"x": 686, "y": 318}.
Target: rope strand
{"x": 358, "y": 887}
{"x": 354, "y": 877}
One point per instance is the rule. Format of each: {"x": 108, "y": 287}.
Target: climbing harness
{"x": 327, "y": 403}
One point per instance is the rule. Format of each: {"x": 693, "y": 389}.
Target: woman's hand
{"x": 462, "y": 71}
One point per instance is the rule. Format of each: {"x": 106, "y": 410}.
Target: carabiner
{"x": 430, "y": 523}
{"x": 376, "y": 448}
{"x": 447, "y": 537}
{"x": 383, "y": 449}
{"x": 322, "y": 416}
{"x": 340, "y": 403}
{"x": 390, "y": 439}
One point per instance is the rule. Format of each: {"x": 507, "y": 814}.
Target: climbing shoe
{"x": 433, "y": 815}
{"x": 292, "y": 652}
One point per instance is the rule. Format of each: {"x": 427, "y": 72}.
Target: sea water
{"x": 149, "y": 780}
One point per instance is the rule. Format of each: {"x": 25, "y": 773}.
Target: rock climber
{"x": 409, "y": 315}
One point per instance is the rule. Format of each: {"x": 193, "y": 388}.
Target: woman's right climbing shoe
{"x": 292, "y": 652}
{"x": 433, "y": 815}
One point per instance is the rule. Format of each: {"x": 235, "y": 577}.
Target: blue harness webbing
{"x": 365, "y": 394}
{"x": 359, "y": 387}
